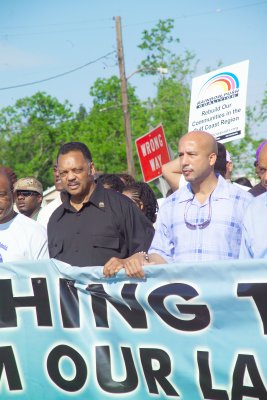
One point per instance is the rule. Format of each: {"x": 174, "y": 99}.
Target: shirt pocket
{"x": 106, "y": 242}
{"x": 55, "y": 248}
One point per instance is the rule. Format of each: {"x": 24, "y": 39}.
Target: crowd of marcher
{"x": 113, "y": 221}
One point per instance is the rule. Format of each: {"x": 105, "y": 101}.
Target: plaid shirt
{"x": 220, "y": 240}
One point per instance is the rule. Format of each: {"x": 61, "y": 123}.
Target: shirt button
{"x": 78, "y": 232}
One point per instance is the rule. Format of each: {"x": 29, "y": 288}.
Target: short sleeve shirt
{"x": 22, "y": 238}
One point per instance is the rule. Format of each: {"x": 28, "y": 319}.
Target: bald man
{"x": 261, "y": 187}
{"x": 199, "y": 222}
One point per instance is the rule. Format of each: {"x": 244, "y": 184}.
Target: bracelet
{"x": 144, "y": 253}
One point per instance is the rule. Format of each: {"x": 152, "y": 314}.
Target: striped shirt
{"x": 187, "y": 230}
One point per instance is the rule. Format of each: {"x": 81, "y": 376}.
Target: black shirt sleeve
{"x": 138, "y": 230}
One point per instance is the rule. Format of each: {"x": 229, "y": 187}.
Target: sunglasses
{"x": 202, "y": 225}
{"x": 26, "y": 193}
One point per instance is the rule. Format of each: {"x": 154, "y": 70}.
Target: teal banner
{"x": 187, "y": 331}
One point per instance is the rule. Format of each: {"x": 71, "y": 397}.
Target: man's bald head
{"x": 6, "y": 198}
{"x": 262, "y": 166}
{"x": 205, "y": 140}
{"x": 262, "y": 159}
{"x": 10, "y": 174}
{"x": 197, "y": 155}
{"x": 6, "y": 177}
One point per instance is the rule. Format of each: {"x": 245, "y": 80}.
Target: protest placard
{"x": 218, "y": 102}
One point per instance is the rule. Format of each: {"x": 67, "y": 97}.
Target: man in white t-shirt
{"x": 21, "y": 238}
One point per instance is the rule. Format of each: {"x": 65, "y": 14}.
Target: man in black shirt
{"x": 93, "y": 224}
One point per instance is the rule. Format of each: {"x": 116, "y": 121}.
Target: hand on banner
{"x": 112, "y": 267}
{"x": 134, "y": 265}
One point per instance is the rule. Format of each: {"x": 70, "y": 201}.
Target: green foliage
{"x": 263, "y": 108}
{"x": 243, "y": 151}
{"x": 31, "y": 132}
{"x": 103, "y": 128}
{"x": 171, "y": 107}
{"x": 161, "y": 50}
{"x": 82, "y": 113}
{"x": 154, "y": 44}
{"x": 171, "y": 104}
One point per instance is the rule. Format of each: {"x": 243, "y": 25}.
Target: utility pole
{"x": 125, "y": 101}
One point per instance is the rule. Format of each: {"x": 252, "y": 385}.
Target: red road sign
{"x": 153, "y": 153}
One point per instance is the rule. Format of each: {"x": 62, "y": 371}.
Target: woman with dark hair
{"x": 143, "y": 196}
{"x": 111, "y": 181}
{"x": 127, "y": 179}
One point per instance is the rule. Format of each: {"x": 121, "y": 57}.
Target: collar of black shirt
{"x": 97, "y": 198}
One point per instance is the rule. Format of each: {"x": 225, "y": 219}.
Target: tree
{"x": 33, "y": 129}
{"x": 81, "y": 114}
{"x": 172, "y": 102}
{"x": 263, "y": 107}
{"x": 243, "y": 150}
{"x": 31, "y": 132}
{"x": 171, "y": 107}
{"x": 103, "y": 129}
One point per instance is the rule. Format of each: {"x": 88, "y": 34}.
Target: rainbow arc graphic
{"x": 219, "y": 84}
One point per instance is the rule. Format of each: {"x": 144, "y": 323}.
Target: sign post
{"x": 153, "y": 153}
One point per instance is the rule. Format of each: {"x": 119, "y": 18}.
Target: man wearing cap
{"x": 261, "y": 170}
{"x": 21, "y": 238}
{"x": 28, "y": 196}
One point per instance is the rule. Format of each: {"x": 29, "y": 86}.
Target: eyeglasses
{"x": 26, "y": 193}
{"x": 202, "y": 225}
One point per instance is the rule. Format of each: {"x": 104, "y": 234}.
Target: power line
{"x": 56, "y": 31}
{"x": 185, "y": 16}
{"x": 57, "y": 23}
{"x": 58, "y": 75}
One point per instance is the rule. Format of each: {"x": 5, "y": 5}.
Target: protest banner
{"x": 187, "y": 331}
{"x": 218, "y": 102}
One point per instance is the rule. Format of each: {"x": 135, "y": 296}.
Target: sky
{"x": 43, "y": 39}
